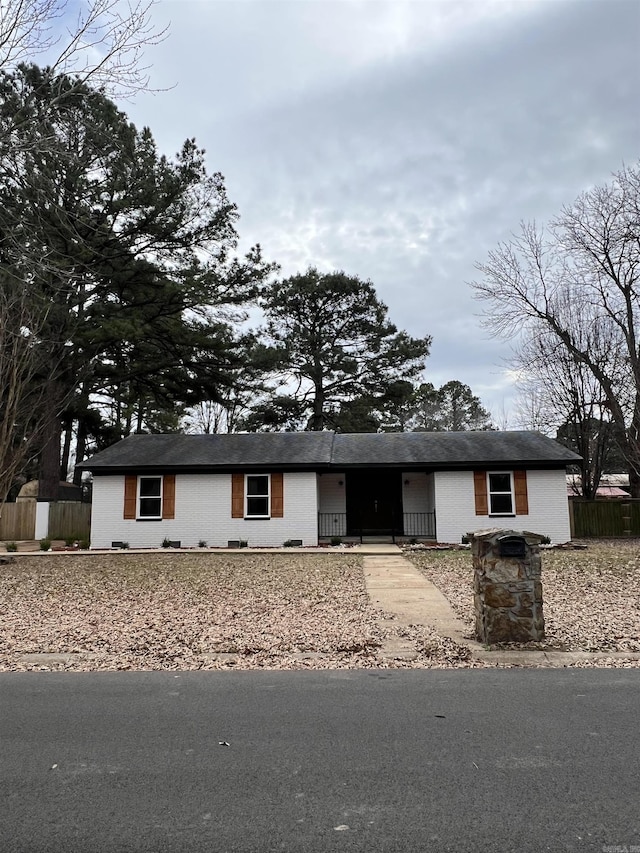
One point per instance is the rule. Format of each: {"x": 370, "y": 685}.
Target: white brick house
{"x": 269, "y": 488}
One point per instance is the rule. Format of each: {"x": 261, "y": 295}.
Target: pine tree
{"x": 333, "y": 343}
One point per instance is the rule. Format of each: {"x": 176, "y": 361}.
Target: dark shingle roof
{"x": 203, "y": 452}
{"x": 457, "y": 449}
{"x": 310, "y": 450}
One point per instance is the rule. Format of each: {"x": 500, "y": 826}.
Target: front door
{"x": 374, "y": 502}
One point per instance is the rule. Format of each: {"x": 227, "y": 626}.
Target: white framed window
{"x": 500, "y": 489}
{"x": 149, "y": 497}
{"x": 257, "y": 496}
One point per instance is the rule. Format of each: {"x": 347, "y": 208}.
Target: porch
{"x": 376, "y": 504}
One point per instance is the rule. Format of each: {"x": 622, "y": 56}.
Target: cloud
{"x": 400, "y": 141}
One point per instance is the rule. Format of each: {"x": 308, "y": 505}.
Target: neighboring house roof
{"x": 318, "y": 450}
{"x": 611, "y": 486}
{"x": 601, "y": 492}
{"x": 68, "y": 491}
{"x": 619, "y": 480}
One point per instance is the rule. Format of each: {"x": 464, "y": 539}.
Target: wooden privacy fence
{"x": 605, "y": 518}
{"x": 69, "y": 518}
{"x": 17, "y": 521}
{"x": 66, "y": 519}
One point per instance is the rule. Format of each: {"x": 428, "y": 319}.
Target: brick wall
{"x": 548, "y": 506}
{"x": 203, "y": 512}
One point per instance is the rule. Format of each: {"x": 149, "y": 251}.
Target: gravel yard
{"x": 591, "y": 597}
{"x": 199, "y": 610}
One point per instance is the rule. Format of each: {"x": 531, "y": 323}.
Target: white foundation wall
{"x": 547, "y": 498}
{"x": 203, "y": 513}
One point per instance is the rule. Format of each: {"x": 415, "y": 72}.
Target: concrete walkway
{"x": 396, "y": 586}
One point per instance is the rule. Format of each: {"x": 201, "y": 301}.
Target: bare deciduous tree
{"x": 579, "y": 281}
{"x": 560, "y": 396}
{"x": 101, "y": 42}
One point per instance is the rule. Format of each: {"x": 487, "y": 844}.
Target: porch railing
{"x": 413, "y": 524}
{"x": 419, "y": 524}
{"x": 332, "y": 524}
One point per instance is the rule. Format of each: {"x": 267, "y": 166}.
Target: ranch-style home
{"x": 269, "y": 488}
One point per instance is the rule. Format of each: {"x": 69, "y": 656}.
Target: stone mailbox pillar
{"x": 507, "y": 586}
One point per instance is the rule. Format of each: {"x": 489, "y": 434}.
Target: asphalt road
{"x": 505, "y": 760}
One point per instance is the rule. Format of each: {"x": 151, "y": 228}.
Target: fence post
{"x": 572, "y": 520}
{"x": 626, "y": 518}
{"x": 42, "y": 520}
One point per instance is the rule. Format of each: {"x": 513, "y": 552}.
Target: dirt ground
{"x": 207, "y": 610}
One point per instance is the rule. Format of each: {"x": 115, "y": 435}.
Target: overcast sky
{"x": 401, "y": 141}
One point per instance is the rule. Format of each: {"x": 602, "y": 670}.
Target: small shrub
{"x": 166, "y": 543}
{"x": 11, "y": 546}
{"x": 70, "y": 540}
{"x": 545, "y": 540}
{"x": 336, "y": 540}
{"x": 202, "y": 543}
{"x": 45, "y": 544}
{"x": 124, "y": 546}
{"x": 83, "y": 544}
{"x": 243, "y": 543}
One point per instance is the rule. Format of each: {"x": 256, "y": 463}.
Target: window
{"x": 257, "y": 496}
{"x": 500, "y": 493}
{"x": 150, "y": 497}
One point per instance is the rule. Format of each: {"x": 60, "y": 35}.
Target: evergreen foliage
{"x": 129, "y": 254}
{"x": 332, "y": 344}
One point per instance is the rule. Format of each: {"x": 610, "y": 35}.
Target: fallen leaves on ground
{"x": 199, "y": 611}
{"x": 591, "y": 598}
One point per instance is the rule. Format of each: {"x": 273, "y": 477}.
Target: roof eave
{"x": 532, "y": 464}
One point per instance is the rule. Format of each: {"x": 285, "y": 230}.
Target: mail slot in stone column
{"x": 507, "y": 586}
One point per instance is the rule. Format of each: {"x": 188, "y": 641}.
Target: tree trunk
{"x": 317, "y": 419}
{"x": 66, "y": 448}
{"x": 81, "y": 446}
{"x": 49, "y": 484}
{"x": 632, "y": 453}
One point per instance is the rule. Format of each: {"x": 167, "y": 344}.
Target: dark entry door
{"x": 374, "y": 502}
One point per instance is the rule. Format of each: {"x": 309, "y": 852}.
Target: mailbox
{"x": 507, "y": 586}
{"x": 513, "y": 546}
